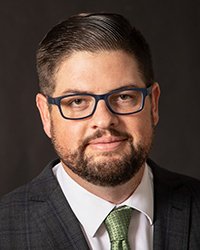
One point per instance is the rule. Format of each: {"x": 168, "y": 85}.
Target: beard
{"x": 113, "y": 168}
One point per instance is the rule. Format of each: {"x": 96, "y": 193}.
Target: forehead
{"x": 97, "y": 72}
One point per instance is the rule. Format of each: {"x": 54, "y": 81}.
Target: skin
{"x": 100, "y": 73}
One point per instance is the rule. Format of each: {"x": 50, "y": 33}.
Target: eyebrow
{"x": 78, "y": 91}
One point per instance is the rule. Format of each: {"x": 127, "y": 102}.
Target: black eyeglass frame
{"x": 57, "y": 100}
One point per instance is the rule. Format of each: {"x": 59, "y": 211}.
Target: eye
{"x": 128, "y": 96}
{"x": 77, "y": 101}
{"x": 125, "y": 97}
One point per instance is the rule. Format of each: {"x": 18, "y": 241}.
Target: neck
{"x": 116, "y": 194}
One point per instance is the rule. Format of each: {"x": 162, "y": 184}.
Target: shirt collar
{"x": 92, "y": 210}
{"x": 142, "y": 198}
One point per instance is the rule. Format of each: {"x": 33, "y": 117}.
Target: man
{"x": 99, "y": 105}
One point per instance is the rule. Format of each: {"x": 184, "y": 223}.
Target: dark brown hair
{"x": 90, "y": 32}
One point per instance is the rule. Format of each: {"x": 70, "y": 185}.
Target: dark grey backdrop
{"x": 173, "y": 31}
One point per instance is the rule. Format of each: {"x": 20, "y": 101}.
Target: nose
{"x": 103, "y": 118}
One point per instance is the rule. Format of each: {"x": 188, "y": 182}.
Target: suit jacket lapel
{"x": 54, "y": 216}
{"x": 171, "y": 211}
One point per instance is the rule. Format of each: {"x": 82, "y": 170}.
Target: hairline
{"x": 68, "y": 55}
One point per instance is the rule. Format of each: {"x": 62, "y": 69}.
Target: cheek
{"x": 68, "y": 133}
{"x": 140, "y": 127}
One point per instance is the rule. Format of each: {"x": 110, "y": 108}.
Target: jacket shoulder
{"x": 170, "y": 179}
{"x": 37, "y": 186}
{"x": 177, "y": 209}
{"x": 16, "y": 211}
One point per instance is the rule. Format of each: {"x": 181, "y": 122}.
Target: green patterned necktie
{"x": 117, "y": 223}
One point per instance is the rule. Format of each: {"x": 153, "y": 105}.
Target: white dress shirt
{"x": 92, "y": 210}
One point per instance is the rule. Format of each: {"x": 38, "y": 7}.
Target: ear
{"x": 155, "y": 95}
{"x": 42, "y": 105}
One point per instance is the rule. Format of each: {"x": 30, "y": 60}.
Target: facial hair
{"x": 109, "y": 171}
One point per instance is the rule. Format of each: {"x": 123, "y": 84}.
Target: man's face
{"x": 105, "y": 149}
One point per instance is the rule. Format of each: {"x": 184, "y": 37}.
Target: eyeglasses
{"x": 124, "y": 101}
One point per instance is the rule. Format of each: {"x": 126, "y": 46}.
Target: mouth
{"x": 110, "y": 143}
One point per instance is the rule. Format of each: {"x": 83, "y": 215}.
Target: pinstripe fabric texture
{"x": 38, "y": 217}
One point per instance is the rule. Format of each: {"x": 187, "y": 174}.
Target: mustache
{"x": 100, "y": 133}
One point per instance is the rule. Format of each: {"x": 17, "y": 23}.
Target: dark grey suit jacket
{"x": 37, "y": 215}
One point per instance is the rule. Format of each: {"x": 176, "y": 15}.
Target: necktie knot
{"x": 117, "y": 223}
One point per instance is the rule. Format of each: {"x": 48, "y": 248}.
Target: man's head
{"x": 98, "y": 57}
